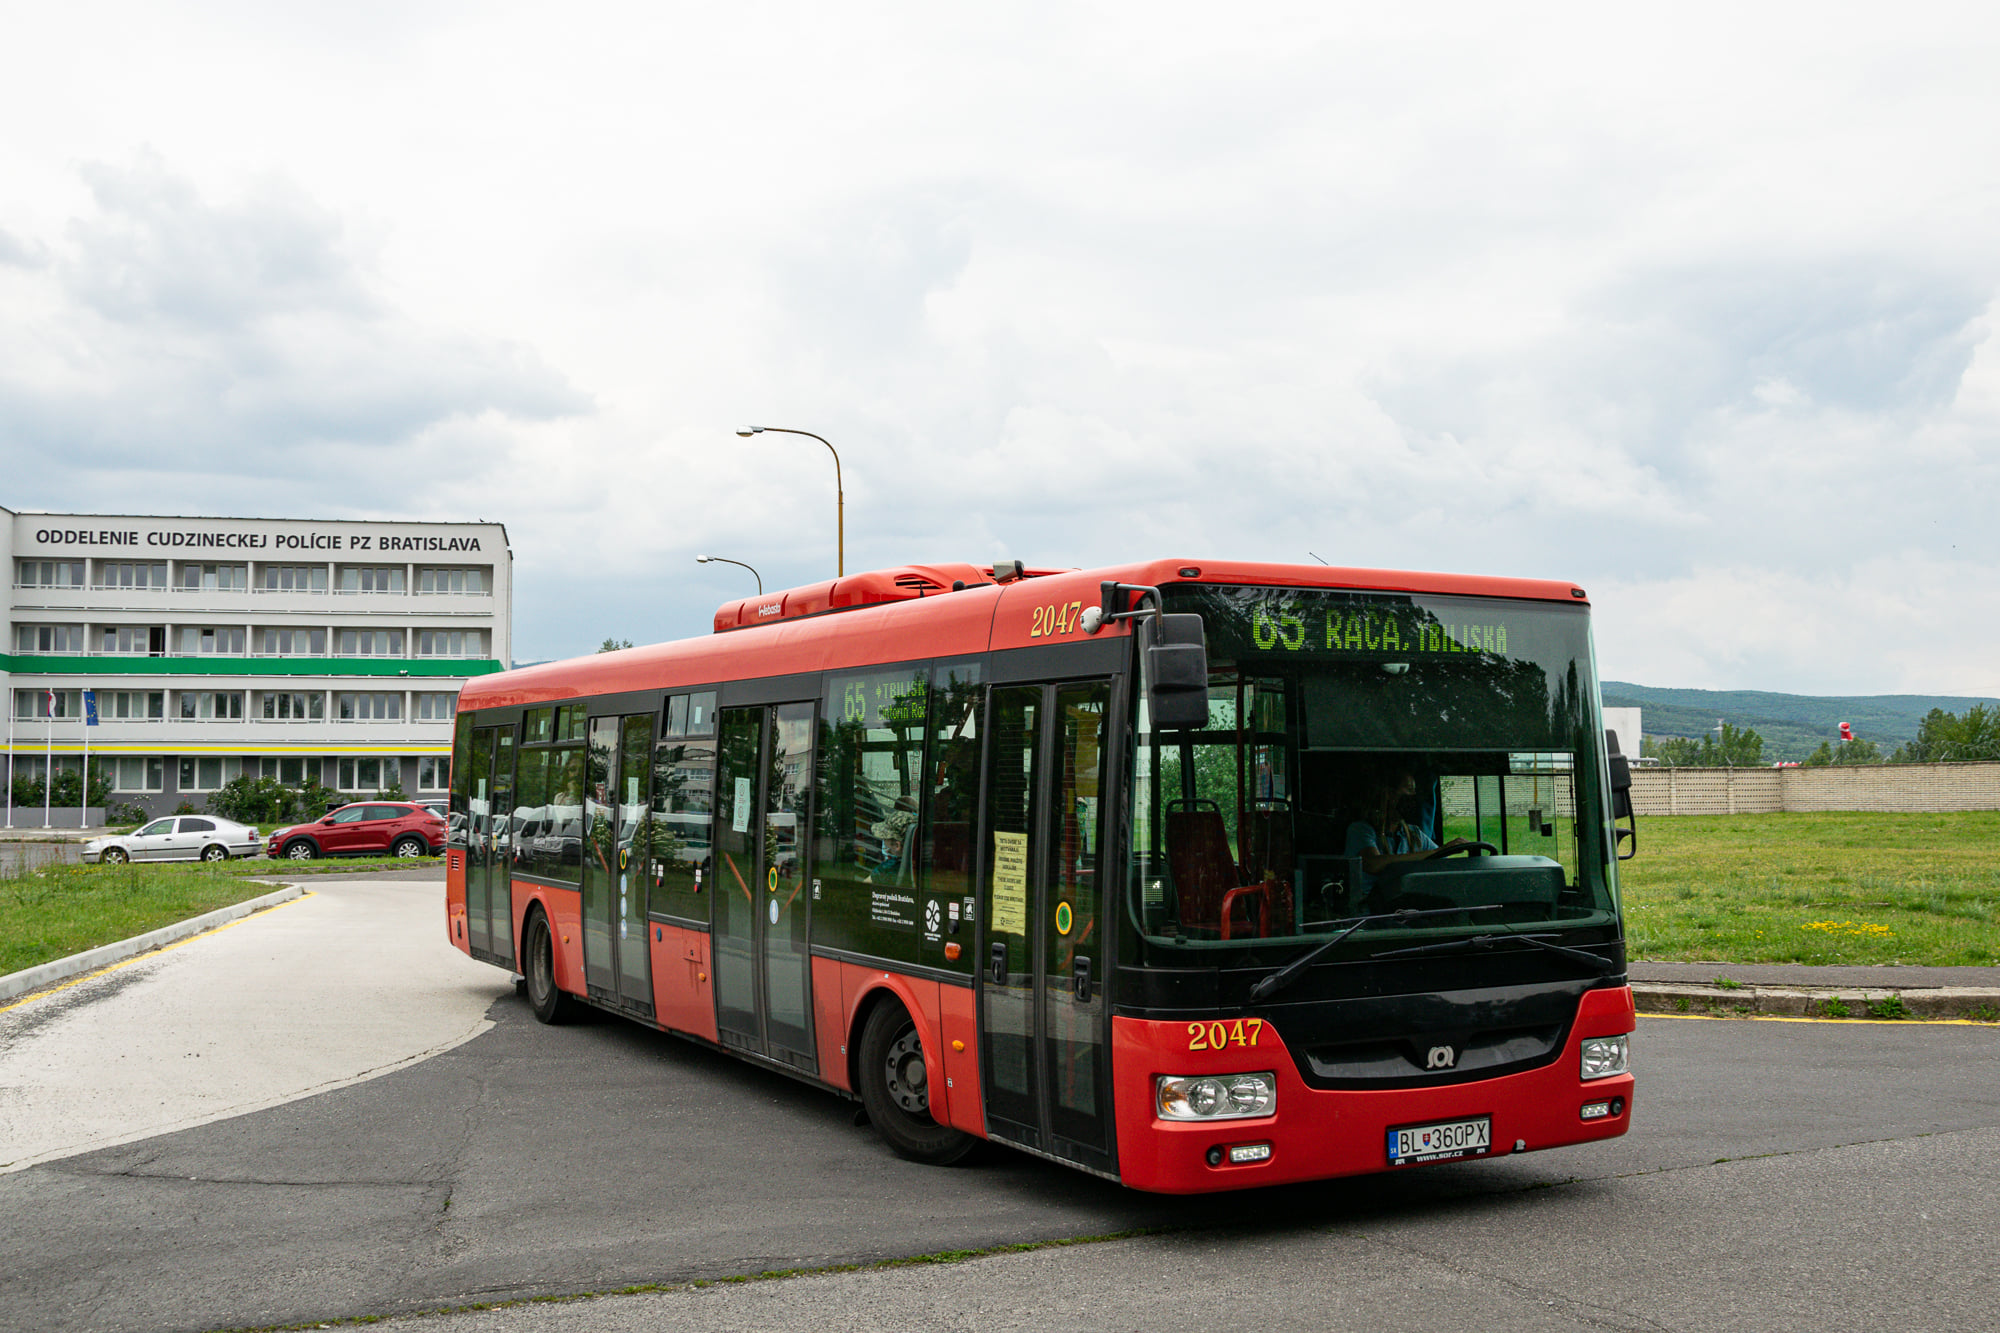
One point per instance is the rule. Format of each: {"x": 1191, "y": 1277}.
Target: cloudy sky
{"x": 1691, "y": 307}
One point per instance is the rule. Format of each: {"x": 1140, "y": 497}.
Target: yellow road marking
{"x": 164, "y": 948}
{"x": 1789, "y": 1018}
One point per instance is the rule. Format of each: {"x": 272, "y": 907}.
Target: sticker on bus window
{"x": 1010, "y": 883}
{"x": 740, "y": 820}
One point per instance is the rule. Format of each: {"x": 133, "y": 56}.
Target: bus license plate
{"x": 1441, "y": 1142}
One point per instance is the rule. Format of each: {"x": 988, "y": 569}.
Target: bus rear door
{"x": 488, "y": 849}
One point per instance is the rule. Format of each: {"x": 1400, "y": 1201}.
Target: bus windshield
{"x": 1373, "y": 754}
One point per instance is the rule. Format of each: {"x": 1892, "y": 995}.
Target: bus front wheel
{"x": 544, "y": 996}
{"x": 895, "y": 1088}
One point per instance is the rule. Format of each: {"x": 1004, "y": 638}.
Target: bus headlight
{"x": 1216, "y": 1096}
{"x": 1604, "y": 1056}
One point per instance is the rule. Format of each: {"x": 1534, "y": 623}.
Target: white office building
{"x": 214, "y": 647}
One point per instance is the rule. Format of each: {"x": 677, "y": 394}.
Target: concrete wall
{"x": 1881, "y": 787}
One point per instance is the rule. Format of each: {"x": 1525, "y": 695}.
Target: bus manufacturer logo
{"x": 1441, "y": 1057}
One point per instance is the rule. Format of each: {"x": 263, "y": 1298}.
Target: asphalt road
{"x": 1780, "y": 1175}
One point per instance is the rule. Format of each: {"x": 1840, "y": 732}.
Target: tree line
{"x": 1941, "y": 738}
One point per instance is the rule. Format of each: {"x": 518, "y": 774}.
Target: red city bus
{"x": 1196, "y": 876}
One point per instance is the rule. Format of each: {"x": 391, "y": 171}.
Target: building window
{"x": 363, "y": 773}
{"x": 272, "y": 642}
{"x": 48, "y": 638}
{"x": 207, "y": 639}
{"x": 369, "y": 707}
{"x": 37, "y": 703}
{"x": 292, "y": 578}
{"x": 436, "y": 707}
{"x": 131, "y": 574}
{"x": 132, "y": 705}
{"x": 371, "y": 643}
{"x": 451, "y": 642}
{"x": 215, "y": 578}
{"x": 49, "y": 574}
{"x": 476, "y": 582}
{"x": 212, "y": 705}
{"x": 432, "y": 771}
{"x": 371, "y": 578}
{"x": 289, "y": 769}
{"x": 132, "y": 639}
{"x": 148, "y": 773}
{"x": 200, "y": 774}
{"x": 294, "y": 707}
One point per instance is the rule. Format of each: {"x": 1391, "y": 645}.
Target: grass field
{"x": 1826, "y": 888}
{"x": 1831, "y": 888}
{"x": 52, "y": 911}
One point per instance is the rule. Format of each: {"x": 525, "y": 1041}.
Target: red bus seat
{"x": 1207, "y": 884}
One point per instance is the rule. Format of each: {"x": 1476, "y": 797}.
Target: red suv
{"x": 366, "y": 828}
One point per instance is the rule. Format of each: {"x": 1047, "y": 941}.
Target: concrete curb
{"x": 1979, "y": 1003}
{"x": 62, "y": 969}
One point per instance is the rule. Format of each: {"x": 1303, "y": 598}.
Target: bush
{"x": 68, "y": 792}
{"x": 268, "y": 803}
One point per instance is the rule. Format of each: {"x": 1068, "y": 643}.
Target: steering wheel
{"x": 1465, "y": 849}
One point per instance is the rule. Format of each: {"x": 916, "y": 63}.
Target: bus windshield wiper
{"x": 1601, "y": 967}
{"x": 1285, "y": 975}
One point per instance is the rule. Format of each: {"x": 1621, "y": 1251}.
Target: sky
{"x": 1689, "y": 306}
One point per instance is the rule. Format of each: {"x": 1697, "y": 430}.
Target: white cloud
{"x": 1687, "y": 306}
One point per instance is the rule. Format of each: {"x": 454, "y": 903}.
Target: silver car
{"x": 177, "y": 838}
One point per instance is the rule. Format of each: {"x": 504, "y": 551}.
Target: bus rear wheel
{"x": 544, "y": 996}
{"x": 896, "y": 1090}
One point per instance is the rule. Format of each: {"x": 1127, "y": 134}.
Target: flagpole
{"x": 10, "y": 759}
{"x": 49, "y": 761}
{"x": 83, "y": 801}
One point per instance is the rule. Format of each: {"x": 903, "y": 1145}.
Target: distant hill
{"x": 1792, "y": 725}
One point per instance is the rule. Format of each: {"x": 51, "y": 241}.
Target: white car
{"x": 177, "y": 838}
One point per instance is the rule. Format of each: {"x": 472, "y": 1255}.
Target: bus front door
{"x": 617, "y": 965}
{"x": 763, "y": 974}
{"x": 1043, "y": 1022}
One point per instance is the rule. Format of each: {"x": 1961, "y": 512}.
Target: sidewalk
{"x": 1792, "y": 990}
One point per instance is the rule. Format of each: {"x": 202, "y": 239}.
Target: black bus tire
{"x": 895, "y": 1092}
{"x": 548, "y": 1001}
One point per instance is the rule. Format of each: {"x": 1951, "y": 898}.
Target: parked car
{"x": 364, "y": 828}
{"x": 177, "y": 838}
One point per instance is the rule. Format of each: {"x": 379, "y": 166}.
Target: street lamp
{"x": 725, "y": 560}
{"x": 839, "y": 496}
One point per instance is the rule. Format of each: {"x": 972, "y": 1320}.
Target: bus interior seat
{"x": 1207, "y": 885}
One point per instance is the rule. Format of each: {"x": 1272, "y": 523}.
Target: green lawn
{"x": 1827, "y": 888}
{"x": 52, "y": 911}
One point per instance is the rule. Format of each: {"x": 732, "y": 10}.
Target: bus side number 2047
{"x": 1058, "y": 619}
{"x": 1214, "y": 1036}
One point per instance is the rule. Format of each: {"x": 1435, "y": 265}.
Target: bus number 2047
{"x": 1059, "y": 619}
{"x": 1215, "y": 1036}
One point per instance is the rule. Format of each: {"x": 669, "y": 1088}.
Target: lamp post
{"x": 725, "y": 560}
{"x": 839, "y": 496}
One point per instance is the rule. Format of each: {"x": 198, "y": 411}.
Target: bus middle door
{"x": 1044, "y": 1024}
{"x": 763, "y": 976}
{"x": 617, "y": 964}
